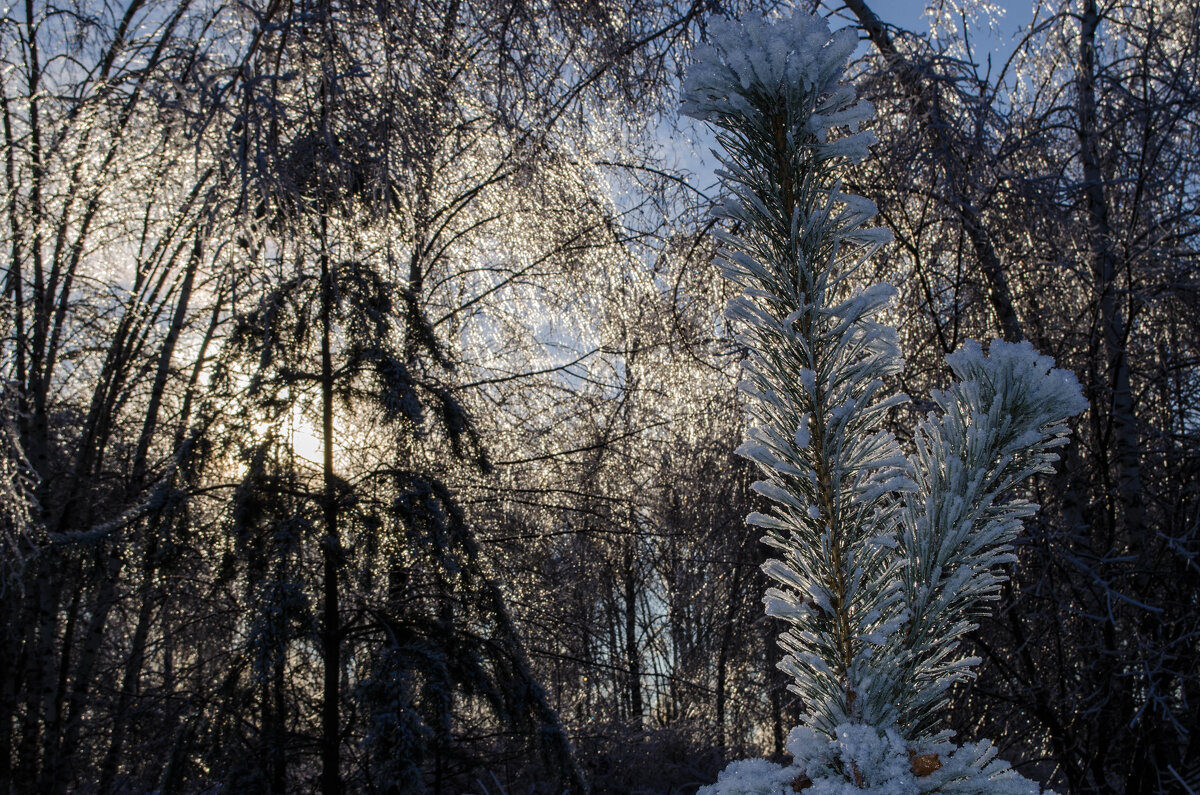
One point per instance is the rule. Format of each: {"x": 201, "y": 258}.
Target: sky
{"x": 907, "y": 13}
{"x": 910, "y": 14}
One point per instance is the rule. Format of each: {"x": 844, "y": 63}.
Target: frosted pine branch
{"x": 819, "y": 355}
{"x": 882, "y": 560}
{"x": 999, "y": 424}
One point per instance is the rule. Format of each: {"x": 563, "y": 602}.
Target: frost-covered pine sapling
{"x": 817, "y": 355}
{"x": 882, "y": 559}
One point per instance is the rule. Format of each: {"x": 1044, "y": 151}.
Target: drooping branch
{"x": 922, "y": 95}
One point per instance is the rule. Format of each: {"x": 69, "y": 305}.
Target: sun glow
{"x": 304, "y": 438}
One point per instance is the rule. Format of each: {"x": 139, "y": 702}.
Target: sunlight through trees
{"x": 369, "y": 408}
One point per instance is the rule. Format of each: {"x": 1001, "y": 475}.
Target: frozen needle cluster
{"x": 882, "y": 558}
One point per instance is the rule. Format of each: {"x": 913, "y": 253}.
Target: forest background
{"x": 368, "y": 409}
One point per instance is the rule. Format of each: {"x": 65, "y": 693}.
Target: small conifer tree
{"x": 883, "y": 558}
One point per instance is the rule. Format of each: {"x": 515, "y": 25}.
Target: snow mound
{"x": 861, "y": 760}
{"x": 752, "y": 777}
{"x": 1018, "y": 369}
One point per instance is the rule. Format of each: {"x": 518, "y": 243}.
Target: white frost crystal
{"x": 882, "y": 559}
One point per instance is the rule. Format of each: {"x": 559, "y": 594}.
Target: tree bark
{"x": 1154, "y": 750}
{"x": 633, "y": 657}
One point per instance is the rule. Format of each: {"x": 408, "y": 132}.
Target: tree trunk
{"x": 331, "y": 781}
{"x": 1152, "y": 750}
{"x": 723, "y": 653}
{"x": 277, "y": 725}
{"x": 633, "y": 657}
{"x": 131, "y": 674}
{"x": 1104, "y": 272}
{"x": 774, "y": 692}
{"x": 722, "y": 668}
